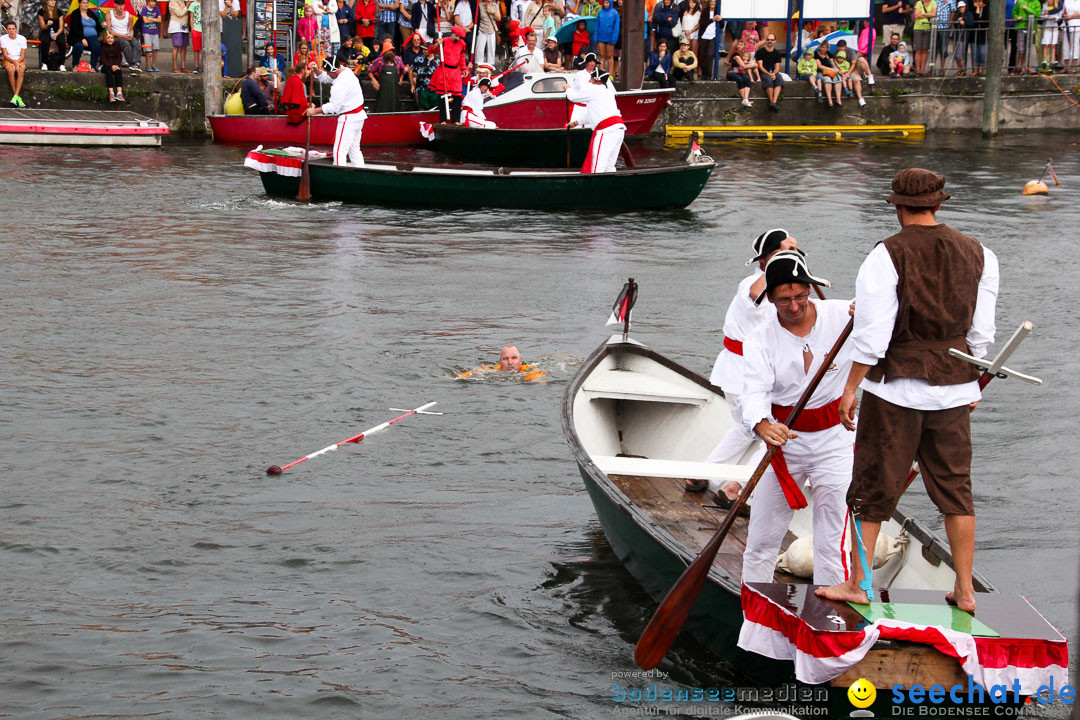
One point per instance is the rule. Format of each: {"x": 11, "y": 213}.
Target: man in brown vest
{"x": 920, "y": 292}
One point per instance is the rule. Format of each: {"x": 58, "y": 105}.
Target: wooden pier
{"x": 79, "y": 127}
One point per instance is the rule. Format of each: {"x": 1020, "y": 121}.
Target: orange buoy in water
{"x": 1036, "y": 187}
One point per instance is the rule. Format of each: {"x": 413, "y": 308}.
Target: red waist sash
{"x": 735, "y": 346}
{"x": 355, "y": 110}
{"x": 609, "y": 122}
{"x": 809, "y": 420}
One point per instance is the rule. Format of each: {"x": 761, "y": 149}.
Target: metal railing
{"x": 1031, "y": 44}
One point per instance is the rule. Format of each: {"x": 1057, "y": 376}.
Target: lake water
{"x": 169, "y": 332}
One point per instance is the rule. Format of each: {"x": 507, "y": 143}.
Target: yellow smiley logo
{"x": 862, "y": 693}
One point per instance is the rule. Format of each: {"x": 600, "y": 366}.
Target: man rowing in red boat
{"x": 347, "y": 102}
{"x": 919, "y": 293}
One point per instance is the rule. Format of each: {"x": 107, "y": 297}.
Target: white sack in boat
{"x": 798, "y": 559}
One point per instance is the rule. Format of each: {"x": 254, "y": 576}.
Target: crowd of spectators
{"x": 686, "y": 40}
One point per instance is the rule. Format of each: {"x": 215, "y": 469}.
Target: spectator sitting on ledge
{"x": 112, "y": 58}
{"x": 899, "y": 61}
{"x": 884, "y": 64}
{"x": 684, "y": 63}
{"x": 808, "y": 68}
{"x": 13, "y": 51}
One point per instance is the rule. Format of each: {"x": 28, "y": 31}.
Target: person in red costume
{"x": 447, "y": 78}
{"x": 294, "y": 99}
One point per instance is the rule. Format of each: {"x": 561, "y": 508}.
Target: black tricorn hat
{"x": 600, "y": 75}
{"x": 768, "y": 242}
{"x": 788, "y": 266}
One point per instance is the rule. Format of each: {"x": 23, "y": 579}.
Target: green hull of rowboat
{"x": 670, "y": 187}
{"x": 514, "y": 148}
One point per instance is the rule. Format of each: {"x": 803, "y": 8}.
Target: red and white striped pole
{"x": 278, "y": 469}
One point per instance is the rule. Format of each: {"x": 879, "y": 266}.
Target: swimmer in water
{"x": 509, "y": 361}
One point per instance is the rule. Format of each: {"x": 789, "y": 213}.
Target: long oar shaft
{"x": 669, "y": 618}
{"x": 277, "y": 470}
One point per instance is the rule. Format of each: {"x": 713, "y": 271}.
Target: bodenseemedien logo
{"x": 862, "y": 694}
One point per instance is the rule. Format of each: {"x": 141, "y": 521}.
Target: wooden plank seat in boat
{"x": 650, "y": 467}
{"x": 630, "y": 385}
{"x": 692, "y": 519}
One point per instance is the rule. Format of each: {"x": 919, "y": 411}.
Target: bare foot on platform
{"x": 965, "y": 603}
{"x": 844, "y": 592}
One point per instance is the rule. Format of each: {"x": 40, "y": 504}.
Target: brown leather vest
{"x": 939, "y": 271}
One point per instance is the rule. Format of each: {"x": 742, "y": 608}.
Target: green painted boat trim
{"x": 516, "y": 148}
{"x": 669, "y": 187}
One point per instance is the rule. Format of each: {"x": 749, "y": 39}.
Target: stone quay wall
{"x": 955, "y": 103}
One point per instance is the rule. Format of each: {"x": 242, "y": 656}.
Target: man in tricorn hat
{"x": 919, "y": 293}
{"x": 602, "y": 115}
{"x": 581, "y": 79}
{"x": 742, "y": 317}
{"x": 347, "y": 102}
{"x": 782, "y": 355}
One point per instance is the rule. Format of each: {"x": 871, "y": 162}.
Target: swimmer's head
{"x": 510, "y": 358}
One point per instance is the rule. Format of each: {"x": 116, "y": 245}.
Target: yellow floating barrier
{"x": 778, "y": 132}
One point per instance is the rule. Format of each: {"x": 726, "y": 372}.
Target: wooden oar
{"x": 669, "y": 618}
{"x": 304, "y": 193}
{"x": 567, "y": 134}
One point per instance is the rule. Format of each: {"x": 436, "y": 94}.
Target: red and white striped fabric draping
{"x": 821, "y": 655}
{"x": 288, "y": 165}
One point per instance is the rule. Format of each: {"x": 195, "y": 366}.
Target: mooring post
{"x": 211, "y": 57}
{"x": 995, "y": 58}
{"x": 632, "y": 67}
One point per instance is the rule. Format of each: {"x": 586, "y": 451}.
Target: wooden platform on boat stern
{"x": 1011, "y": 616}
{"x": 683, "y": 515}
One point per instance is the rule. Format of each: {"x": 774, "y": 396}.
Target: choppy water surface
{"x": 168, "y": 332}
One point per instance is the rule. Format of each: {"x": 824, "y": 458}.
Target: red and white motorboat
{"x": 536, "y": 101}
{"x": 539, "y": 102}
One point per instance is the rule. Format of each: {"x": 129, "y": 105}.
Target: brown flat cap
{"x": 916, "y": 187}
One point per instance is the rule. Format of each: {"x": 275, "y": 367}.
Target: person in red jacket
{"x": 446, "y": 81}
{"x": 294, "y": 99}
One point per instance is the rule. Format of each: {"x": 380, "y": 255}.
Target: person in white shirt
{"x": 13, "y": 51}
{"x": 919, "y": 293}
{"x": 531, "y": 54}
{"x": 580, "y": 80}
{"x": 463, "y": 18}
{"x": 472, "y": 107}
{"x": 122, "y": 23}
{"x": 233, "y": 10}
{"x": 347, "y": 102}
{"x": 781, "y": 356}
{"x": 602, "y": 115}
{"x": 742, "y": 317}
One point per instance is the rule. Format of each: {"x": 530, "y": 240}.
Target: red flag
{"x": 620, "y": 311}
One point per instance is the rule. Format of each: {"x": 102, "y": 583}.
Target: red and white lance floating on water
{"x": 278, "y": 469}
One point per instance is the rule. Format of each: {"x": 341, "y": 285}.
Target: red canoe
{"x": 537, "y": 103}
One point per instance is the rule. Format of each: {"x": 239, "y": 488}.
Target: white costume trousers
{"x": 485, "y": 48}
{"x": 604, "y": 150}
{"x": 471, "y": 119}
{"x": 1071, "y": 43}
{"x": 825, "y": 458}
{"x": 735, "y": 443}
{"x": 577, "y": 114}
{"x": 347, "y": 140}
